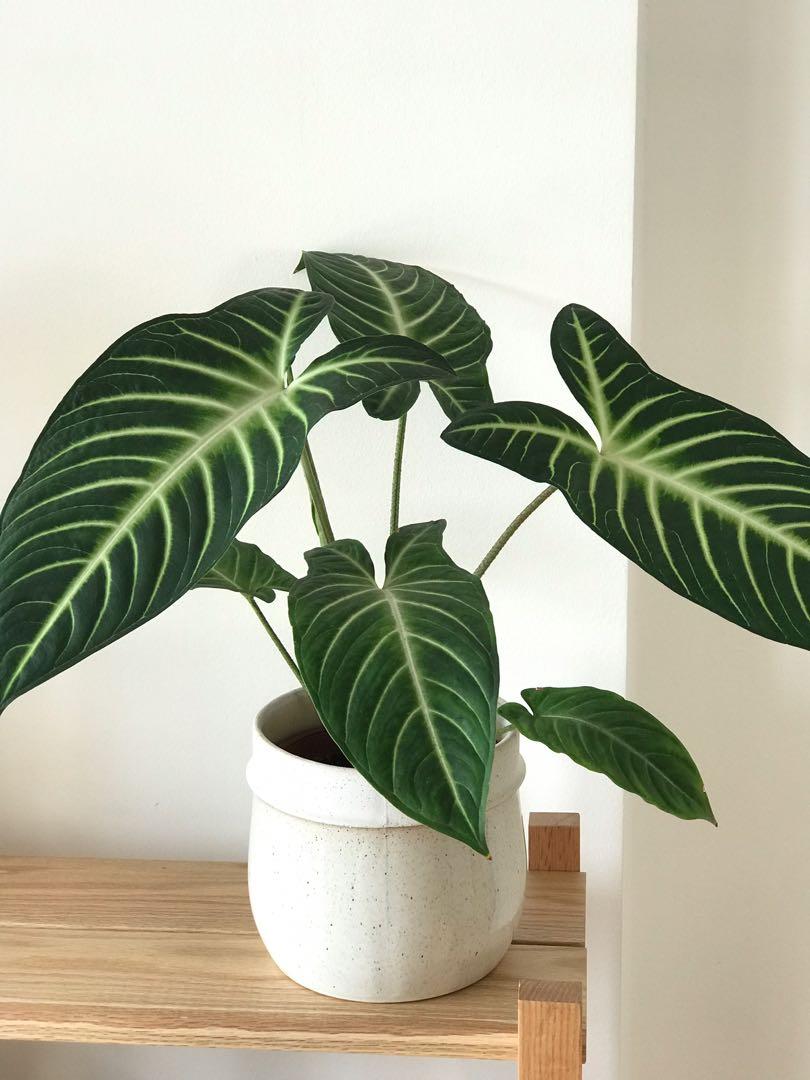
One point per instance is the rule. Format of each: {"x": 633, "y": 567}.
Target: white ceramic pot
{"x": 356, "y": 900}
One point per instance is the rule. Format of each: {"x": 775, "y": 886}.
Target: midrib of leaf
{"x": 424, "y": 705}
{"x": 694, "y": 494}
{"x": 578, "y": 720}
{"x": 731, "y": 511}
{"x": 533, "y": 429}
{"x": 396, "y": 315}
{"x": 742, "y": 517}
{"x": 284, "y": 342}
{"x": 139, "y": 508}
{"x": 598, "y": 399}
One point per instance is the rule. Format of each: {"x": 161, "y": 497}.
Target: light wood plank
{"x": 194, "y": 989}
{"x": 554, "y": 910}
{"x": 125, "y": 894}
{"x": 135, "y": 894}
{"x": 549, "y": 1031}
{"x": 161, "y": 952}
{"x": 554, "y": 842}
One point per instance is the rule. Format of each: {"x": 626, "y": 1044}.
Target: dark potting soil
{"x": 316, "y": 745}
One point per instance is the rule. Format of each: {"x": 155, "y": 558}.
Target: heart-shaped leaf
{"x": 709, "y": 500}
{"x": 374, "y": 296}
{"x": 608, "y": 734}
{"x": 155, "y": 459}
{"x": 245, "y": 569}
{"x": 404, "y": 676}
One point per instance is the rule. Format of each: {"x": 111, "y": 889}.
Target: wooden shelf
{"x": 127, "y": 951}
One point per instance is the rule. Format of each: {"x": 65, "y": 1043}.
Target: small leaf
{"x": 392, "y": 403}
{"x": 404, "y": 676}
{"x": 708, "y": 499}
{"x": 608, "y": 734}
{"x": 374, "y": 296}
{"x": 245, "y": 569}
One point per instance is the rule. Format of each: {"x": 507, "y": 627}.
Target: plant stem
{"x": 279, "y": 644}
{"x": 512, "y": 528}
{"x": 396, "y": 482}
{"x": 322, "y": 523}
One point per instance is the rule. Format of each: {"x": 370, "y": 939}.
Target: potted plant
{"x": 386, "y": 854}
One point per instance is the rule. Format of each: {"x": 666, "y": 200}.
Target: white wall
{"x": 163, "y": 156}
{"x": 716, "y": 942}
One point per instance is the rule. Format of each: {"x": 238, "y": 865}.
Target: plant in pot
{"x": 387, "y": 858}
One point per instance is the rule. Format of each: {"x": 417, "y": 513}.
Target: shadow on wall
{"x": 716, "y": 938}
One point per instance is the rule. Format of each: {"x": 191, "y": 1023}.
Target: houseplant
{"x": 142, "y": 478}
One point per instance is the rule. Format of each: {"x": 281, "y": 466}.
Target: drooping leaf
{"x": 608, "y": 734}
{"x": 374, "y": 296}
{"x": 708, "y": 499}
{"x": 155, "y": 459}
{"x": 392, "y": 403}
{"x": 245, "y": 569}
{"x": 404, "y": 676}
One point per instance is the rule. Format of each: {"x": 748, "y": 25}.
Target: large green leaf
{"x": 608, "y": 734}
{"x": 711, "y": 501}
{"x": 373, "y": 296}
{"x": 153, "y": 462}
{"x": 404, "y": 676}
{"x": 245, "y": 569}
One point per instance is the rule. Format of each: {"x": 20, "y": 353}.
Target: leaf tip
{"x": 479, "y": 846}
{"x": 478, "y": 837}
{"x": 302, "y": 263}
{"x": 708, "y": 813}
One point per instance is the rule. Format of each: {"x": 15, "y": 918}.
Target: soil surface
{"x": 316, "y": 745}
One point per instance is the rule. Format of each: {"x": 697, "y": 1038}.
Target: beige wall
{"x": 716, "y": 971}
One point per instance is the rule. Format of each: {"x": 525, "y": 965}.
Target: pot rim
{"x": 501, "y": 737}
{"x": 336, "y": 795}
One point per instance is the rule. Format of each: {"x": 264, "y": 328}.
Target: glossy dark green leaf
{"x": 708, "y": 499}
{"x": 404, "y": 676}
{"x": 155, "y": 459}
{"x": 392, "y": 403}
{"x": 374, "y": 296}
{"x": 608, "y": 734}
{"x": 245, "y": 569}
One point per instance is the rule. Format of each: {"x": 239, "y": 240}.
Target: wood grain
{"x": 166, "y": 953}
{"x": 554, "y": 910}
{"x": 134, "y": 894}
{"x": 549, "y": 1030}
{"x": 554, "y": 842}
{"x": 125, "y": 894}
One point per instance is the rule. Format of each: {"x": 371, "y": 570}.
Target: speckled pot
{"x": 355, "y": 900}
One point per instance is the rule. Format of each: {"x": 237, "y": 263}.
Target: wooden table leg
{"x": 549, "y": 1031}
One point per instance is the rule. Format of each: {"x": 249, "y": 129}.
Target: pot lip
{"x": 336, "y": 795}
{"x": 502, "y": 738}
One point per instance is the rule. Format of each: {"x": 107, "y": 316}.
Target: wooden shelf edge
{"x": 477, "y": 1022}
{"x": 146, "y": 953}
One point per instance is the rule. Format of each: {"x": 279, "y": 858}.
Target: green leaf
{"x": 709, "y": 500}
{"x": 373, "y": 296}
{"x": 155, "y": 459}
{"x": 608, "y": 734}
{"x": 392, "y": 403}
{"x": 404, "y": 676}
{"x": 245, "y": 569}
